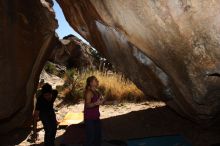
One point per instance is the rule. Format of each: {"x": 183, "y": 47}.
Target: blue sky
{"x": 64, "y": 28}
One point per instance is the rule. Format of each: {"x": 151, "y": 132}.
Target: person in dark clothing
{"x": 45, "y": 112}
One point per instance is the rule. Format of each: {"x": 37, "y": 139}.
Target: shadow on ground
{"x": 151, "y": 122}
{"x": 144, "y": 123}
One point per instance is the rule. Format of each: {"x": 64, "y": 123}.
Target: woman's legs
{"x": 98, "y": 133}
{"x": 90, "y": 130}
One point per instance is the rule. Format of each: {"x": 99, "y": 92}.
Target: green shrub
{"x": 51, "y": 68}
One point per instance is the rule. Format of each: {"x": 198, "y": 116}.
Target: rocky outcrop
{"x": 27, "y": 34}
{"x": 170, "y": 49}
{"x": 72, "y": 53}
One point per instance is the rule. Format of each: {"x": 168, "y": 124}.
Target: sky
{"x": 64, "y": 28}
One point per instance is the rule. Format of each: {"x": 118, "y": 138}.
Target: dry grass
{"x": 116, "y": 87}
{"x": 113, "y": 87}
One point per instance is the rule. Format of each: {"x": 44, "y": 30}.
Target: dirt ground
{"x": 137, "y": 120}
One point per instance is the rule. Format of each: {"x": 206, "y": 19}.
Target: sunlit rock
{"x": 72, "y": 53}
{"x": 170, "y": 49}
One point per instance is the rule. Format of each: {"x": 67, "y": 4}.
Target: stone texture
{"x": 170, "y": 49}
{"x": 27, "y": 32}
{"x": 72, "y": 53}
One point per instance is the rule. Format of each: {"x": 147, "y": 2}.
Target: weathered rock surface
{"x": 170, "y": 49}
{"x": 27, "y": 32}
{"x": 72, "y": 52}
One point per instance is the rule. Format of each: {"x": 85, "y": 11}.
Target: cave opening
{"x": 72, "y": 61}
{"x": 74, "y": 55}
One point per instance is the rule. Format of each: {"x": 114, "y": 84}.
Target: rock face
{"x": 27, "y": 32}
{"x": 170, "y": 49}
{"x": 72, "y": 52}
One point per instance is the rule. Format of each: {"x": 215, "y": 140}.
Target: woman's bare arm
{"x": 88, "y": 99}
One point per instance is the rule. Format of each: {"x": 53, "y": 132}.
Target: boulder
{"x": 170, "y": 49}
{"x": 72, "y": 53}
{"x": 27, "y": 34}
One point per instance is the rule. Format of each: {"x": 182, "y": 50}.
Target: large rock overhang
{"x": 170, "y": 49}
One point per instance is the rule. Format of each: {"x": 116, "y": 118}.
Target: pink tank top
{"x": 92, "y": 113}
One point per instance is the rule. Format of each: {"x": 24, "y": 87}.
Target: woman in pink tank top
{"x": 91, "y": 112}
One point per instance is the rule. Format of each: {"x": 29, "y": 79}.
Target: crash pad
{"x": 72, "y": 118}
{"x": 170, "y": 140}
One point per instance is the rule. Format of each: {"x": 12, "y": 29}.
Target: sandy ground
{"x": 107, "y": 111}
{"x": 137, "y": 120}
